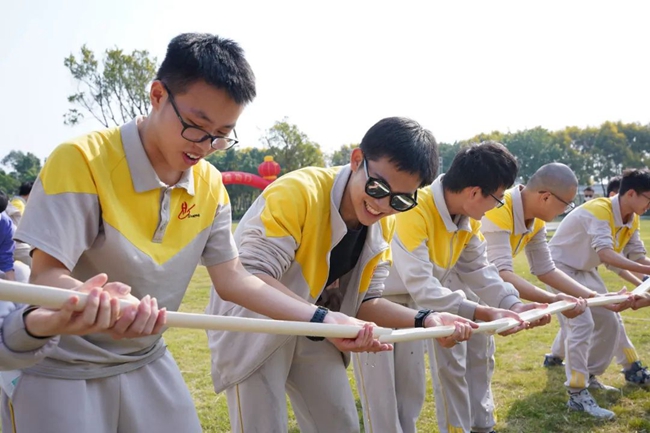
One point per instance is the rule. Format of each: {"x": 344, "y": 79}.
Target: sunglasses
{"x": 377, "y": 188}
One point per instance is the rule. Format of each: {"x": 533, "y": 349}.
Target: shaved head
{"x": 554, "y": 177}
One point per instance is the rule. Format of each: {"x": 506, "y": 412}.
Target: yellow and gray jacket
{"x": 430, "y": 246}
{"x": 507, "y": 234}
{"x": 594, "y": 226}
{"x": 288, "y": 234}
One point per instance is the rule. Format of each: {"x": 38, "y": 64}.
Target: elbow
{"x": 604, "y": 255}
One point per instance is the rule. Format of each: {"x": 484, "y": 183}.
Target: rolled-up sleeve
{"x": 499, "y": 250}
{"x": 483, "y": 278}
{"x": 416, "y": 273}
{"x": 539, "y": 254}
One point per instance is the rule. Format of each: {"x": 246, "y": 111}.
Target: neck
{"x": 626, "y": 210}
{"x": 151, "y": 146}
{"x": 454, "y": 203}
{"x": 528, "y": 204}
{"x": 347, "y": 210}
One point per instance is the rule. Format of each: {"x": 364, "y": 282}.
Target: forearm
{"x": 630, "y": 277}
{"x": 234, "y": 284}
{"x": 527, "y": 290}
{"x": 54, "y": 277}
{"x": 279, "y": 286}
{"x": 611, "y": 257}
{"x": 565, "y": 284}
{"x": 387, "y": 314}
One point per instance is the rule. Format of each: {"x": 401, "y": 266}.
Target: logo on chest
{"x": 186, "y": 212}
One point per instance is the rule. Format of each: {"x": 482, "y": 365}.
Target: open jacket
{"x": 288, "y": 233}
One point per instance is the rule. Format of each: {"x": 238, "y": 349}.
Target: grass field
{"x": 529, "y": 398}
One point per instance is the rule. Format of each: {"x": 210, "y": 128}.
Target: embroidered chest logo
{"x": 186, "y": 212}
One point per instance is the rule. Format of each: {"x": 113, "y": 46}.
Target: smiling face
{"x": 200, "y": 105}
{"x": 366, "y": 209}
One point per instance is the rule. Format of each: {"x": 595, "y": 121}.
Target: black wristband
{"x": 25, "y": 313}
{"x": 419, "y": 318}
{"x": 318, "y": 317}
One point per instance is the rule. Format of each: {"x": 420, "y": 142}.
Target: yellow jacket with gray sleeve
{"x": 288, "y": 234}
{"x": 507, "y": 234}
{"x": 594, "y": 226}
{"x": 429, "y": 245}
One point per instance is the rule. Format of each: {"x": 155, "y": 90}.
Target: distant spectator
{"x": 7, "y": 229}
{"x": 588, "y": 193}
{"x": 613, "y": 186}
{"x": 19, "y": 201}
{"x": 15, "y": 211}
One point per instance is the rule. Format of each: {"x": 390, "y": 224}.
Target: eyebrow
{"x": 202, "y": 115}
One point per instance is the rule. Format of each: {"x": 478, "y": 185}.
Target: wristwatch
{"x": 419, "y": 318}
{"x": 318, "y": 317}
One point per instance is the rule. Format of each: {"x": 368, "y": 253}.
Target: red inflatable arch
{"x": 243, "y": 178}
{"x": 268, "y": 170}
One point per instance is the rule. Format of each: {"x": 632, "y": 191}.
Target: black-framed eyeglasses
{"x": 197, "y": 135}
{"x": 569, "y": 205}
{"x": 377, "y": 188}
{"x": 500, "y": 203}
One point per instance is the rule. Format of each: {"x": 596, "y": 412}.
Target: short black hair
{"x": 614, "y": 185}
{"x": 4, "y": 201}
{"x": 487, "y": 165}
{"x": 635, "y": 179}
{"x": 406, "y": 144}
{"x": 25, "y": 188}
{"x": 220, "y": 62}
{"x": 588, "y": 189}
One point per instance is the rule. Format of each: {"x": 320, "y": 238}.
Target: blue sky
{"x": 335, "y": 68}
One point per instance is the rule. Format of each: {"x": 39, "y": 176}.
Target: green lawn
{"x": 529, "y": 398}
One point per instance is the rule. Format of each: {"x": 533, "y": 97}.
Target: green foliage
{"x": 239, "y": 159}
{"x": 342, "y": 156}
{"x": 8, "y": 184}
{"x": 291, "y": 147}
{"x": 24, "y": 167}
{"x": 594, "y": 153}
{"x": 113, "y": 92}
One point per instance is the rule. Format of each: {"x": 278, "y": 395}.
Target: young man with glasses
{"x": 139, "y": 203}
{"x": 521, "y": 225}
{"x": 602, "y": 231}
{"x": 323, "y": 234}
{"x": 438, "y": 247}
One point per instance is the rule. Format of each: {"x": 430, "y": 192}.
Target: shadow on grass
{"x": 546, "y": 410}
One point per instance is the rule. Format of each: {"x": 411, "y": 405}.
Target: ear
{"x": 157, "y": 94}
{"x": 472, "y": 192}
{"x": 356, "y": 159}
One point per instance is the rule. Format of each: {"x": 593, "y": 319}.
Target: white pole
{"x": 502, "y": 325}
{"x": 54, "y": 298}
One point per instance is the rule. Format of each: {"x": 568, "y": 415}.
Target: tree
{"x": 447, "y": 152}
{"x": 26, "y": 166}
{"x": 113, "y": 93}
{"x": 8, "y": 184}
{"x": 291, "y": 148}
{"x": 342, "y": 156}
{"x": 239, "y": 159}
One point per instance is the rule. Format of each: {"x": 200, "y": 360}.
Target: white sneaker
{"x": 583, "y": 402}
{"x": 594, "y": 383}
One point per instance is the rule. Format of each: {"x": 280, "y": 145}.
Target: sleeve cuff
{"x": 467, "y": 309}
{"x": 508, "y": 302}
{"x": 16, "y": 337}
{"x": 635, "y": 257}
